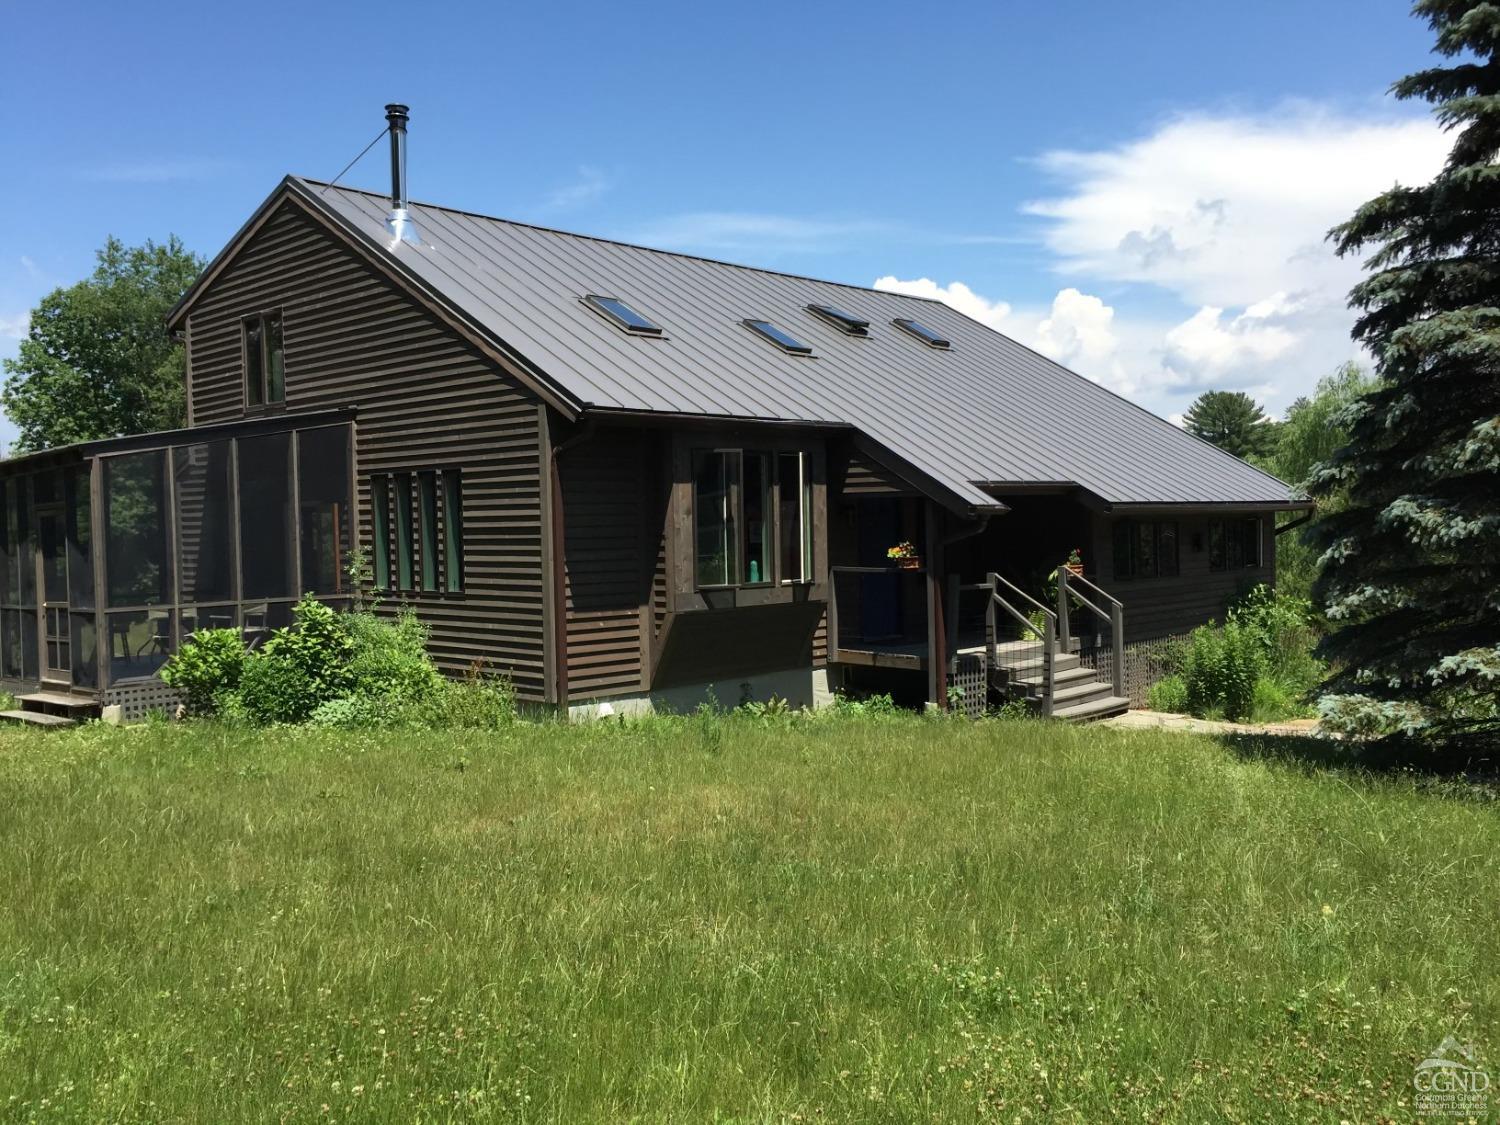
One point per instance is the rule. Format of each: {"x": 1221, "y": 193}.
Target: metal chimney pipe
{"x": 399, "y": 221}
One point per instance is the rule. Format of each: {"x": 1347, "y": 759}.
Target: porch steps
{"x": 52, "y": 709}
{"x": 1078, "y": 694}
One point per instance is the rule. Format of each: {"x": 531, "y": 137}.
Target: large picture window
{"x": 1145, "y": 549}
{"x": 135, "y": 529}
{"x": 323, "y": 506}
{"x": 265, "y": 359}
{"x": 1234, "y": 544}
{"x": 751, "y": 517}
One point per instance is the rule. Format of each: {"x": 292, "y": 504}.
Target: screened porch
{"x": 112, "y": 552}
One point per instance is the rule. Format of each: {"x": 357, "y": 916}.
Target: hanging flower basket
{"x": 1074, "y": 565}
{"x": 905, "y": 556}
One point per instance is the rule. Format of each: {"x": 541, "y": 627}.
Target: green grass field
{"x": 719, "y": 919}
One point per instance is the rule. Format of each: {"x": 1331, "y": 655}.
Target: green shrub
{"x": 353, "y": 712}
{"x": 276, "y": 687}
{"x": 1220, "y": 671}
{"x": 1283, "y": 628}
{"x": 389, "y": 659}
{"x": 476, "y": 702}
{"x": 1169, "y": 694}
{"x": 208, "y": 665}
{"x": 871, "y": 706}
{"x": 318, "y": 643}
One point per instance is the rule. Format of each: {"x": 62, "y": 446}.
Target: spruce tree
{"x": 1410, "y": 571}
{"x": 1233, "y": 421}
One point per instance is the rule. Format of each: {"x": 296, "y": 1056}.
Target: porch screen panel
{"x": 205, "y": 544}
{"x": 135, "y": 520}
{"x": 323, "y": 497}
{"x": 80, "y": 549}
{"x": 266, "y": 532}
{"x": 84, "y": 633}
{"x": 716, "y": 535}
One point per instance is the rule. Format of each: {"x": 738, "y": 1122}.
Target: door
{"x": 879, "y": 594}
{"x": 52, "y": 580}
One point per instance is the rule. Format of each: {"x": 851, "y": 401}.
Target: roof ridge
{"x": 324, "y": 185}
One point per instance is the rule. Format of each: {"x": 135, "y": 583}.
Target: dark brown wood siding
{"x": 1163, "y": 607}
{"x": 425, "y": 399}
{"x": 859, "y": 475}
{"x": 609, "y": 559}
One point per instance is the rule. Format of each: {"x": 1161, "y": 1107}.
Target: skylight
{"x": 840, "y": 319}
{"x": 622, "y": 315}
{"x": 783, "y": 340}
{"x": 921, "y": 332}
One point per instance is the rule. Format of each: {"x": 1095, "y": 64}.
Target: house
{"x": 619, "y": 474}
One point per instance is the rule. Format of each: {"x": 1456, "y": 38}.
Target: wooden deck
{"x": 912, "y": 655}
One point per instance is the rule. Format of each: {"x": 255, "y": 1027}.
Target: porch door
{"x": 52, "y": 563}
{"x": 879, "y": 594}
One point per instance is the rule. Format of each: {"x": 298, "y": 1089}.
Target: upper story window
{"x": 1145, "y": 549}
{"x": 265, "y": 359}
{"x": 1234, "y": 544}
{"x": 752, "y": 523}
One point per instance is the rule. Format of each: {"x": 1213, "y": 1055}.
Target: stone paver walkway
{"x": 1161, "y": 720}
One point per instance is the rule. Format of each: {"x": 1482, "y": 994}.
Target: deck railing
{"x": 1070, "y": 588}
{"x": 1046, "y": 632}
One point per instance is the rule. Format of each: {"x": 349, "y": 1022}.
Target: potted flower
{"x": 905, "y": 556}
{"x": 1075, "y": 562}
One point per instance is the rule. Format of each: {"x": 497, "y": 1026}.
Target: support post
{"x": 1064, "y": 625}
{"x": 1117, "y": 647}
{"x": 833, "y": 616}
{"x": 937, "y": 639}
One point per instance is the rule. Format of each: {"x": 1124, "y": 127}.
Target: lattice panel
{"x": 138, "y": 700}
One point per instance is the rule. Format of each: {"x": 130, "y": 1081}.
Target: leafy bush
{"x": 871, "y": 706}
{"x": 389, "y": 659}
{"x": 478, "y": 701}
{"x": 277, "y": 688}
{"x": 1169, "y": 694}
{"x": 352, "y": 712}
{"x": 1283, "y": 629}
{"x": 318, "y": 643}
{"x": 1220, "y": 671}
{"x": 208, "y": 665}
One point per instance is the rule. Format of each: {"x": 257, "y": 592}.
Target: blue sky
{"x": 1138, "y": 190}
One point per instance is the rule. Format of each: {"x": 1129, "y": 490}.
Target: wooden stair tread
{"x": 58, "y": 699}
{"x": 1094, "y": 708}
{"x": 38, "y": 718}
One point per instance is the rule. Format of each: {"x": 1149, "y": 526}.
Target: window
{"x": 921, "y": 332}
{"x": 1234, "y": 544}
{"x": 265, "y": 359}
{"x": 795, "y": 505}
{"x": 837, "y": 317}
{"x": 618, "y": 313}
{"x": 782, "y": 339}
{"x": 716, "y": 484}
{"x": 403, "y": 531}
{"x": 1145, "y": 549}
{"x": 427, "y": 490}
{"x": 380, "y": 519}
{"x": 751, "y": 512}
{"x": 453, "y": 530}
{"x": 428, "y": 538}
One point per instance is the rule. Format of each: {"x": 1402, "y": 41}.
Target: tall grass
{"x": 707, "y": 918}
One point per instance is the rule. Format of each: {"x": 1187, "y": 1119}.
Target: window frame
{"x": 787, "y": 344}
{"x": 261, "y": 321}
{"x": 1130, "y": 529}
{"x": 1220, "y": 529}
{"x": 417, "y": 527}
{"x": 772, "y": 455}
{"x": 930, "y": 337}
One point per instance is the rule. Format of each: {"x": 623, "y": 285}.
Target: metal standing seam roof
{"x": 985, "y": 411}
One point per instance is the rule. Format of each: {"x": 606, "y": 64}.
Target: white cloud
{"x": 957, "y": 295}
{"x": 13, "y": 326}
{"x": 1225, "y": 217}
{"x": 588, "y": 185}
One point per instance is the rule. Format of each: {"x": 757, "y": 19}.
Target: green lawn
{"x": 713, "y": 919}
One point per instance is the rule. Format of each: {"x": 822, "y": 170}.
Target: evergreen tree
{"x": 97, "y": 361}
{"x": 1232, "y": 420}
{"x": 1410, "y": 572}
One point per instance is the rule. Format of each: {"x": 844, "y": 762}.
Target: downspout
{"x": 559, "y": 564}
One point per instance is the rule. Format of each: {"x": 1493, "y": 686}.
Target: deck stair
{"x": 52, "y": 709}
{"x": 1045, "y": 671}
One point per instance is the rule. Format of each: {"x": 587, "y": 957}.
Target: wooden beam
{"x": 937, "y": 638}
